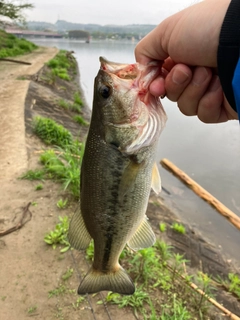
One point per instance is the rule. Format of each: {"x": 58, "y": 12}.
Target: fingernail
{"x": 215, "y": 84}
{"x": 200, "y": 76}
{"x": 179, "y": 76}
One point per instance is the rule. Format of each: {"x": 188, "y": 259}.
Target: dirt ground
{"x": 29, "y": 268}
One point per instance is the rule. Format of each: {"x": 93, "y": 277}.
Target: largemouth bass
{"x": 117, "y": 173}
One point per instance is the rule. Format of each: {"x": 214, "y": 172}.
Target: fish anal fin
{"x": 78, "y": 236}
{"x": 144, "y": 237}
{"x": 116, "y": 281}
{"x": 156, "y": 180}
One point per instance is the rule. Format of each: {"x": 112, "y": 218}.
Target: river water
{"x": 209, "y": 153}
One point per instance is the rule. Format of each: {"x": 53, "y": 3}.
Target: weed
{"x": 64, "y": 104}
{"x": 175, "y": 311}
{"x": 178, "y": 228}
{"x": 157, "y": 272}
{"x": 234, "y": 284}
{"x": 78, "y": 302}
{"x": 59, "y": 235}
{"x": 61, "y": 65}
{"x": 34, "y": 203}
{"x": 51, "y": 133}
{"x": 90, "y": 251}
{"x": 162, "y": 227}
{"x": 77, "y": 99}
{"x": 67, "y": 274}
{"x": 136, "y": 301}
{"x": 80, "y": 120}
{"x": 39, "y": 187}
{"x": 33, "y": 175}
{"x": 61, "y": 204}
{"x": 58, "y": 291}
{"x": 65, "y": 167}
{"x": 3, "y": 298}
{"x": 32, "y": 309}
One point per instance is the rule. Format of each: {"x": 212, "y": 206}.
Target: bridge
{"x": 33, "y": 34}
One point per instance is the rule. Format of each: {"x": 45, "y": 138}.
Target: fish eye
{"x": 105, "y": 91}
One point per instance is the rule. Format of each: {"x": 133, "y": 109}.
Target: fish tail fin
{"x": 116, "y": 281}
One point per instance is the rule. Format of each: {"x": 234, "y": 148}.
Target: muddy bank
{"x": 39, "y": 268}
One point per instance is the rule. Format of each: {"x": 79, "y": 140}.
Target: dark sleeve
{"x": 229, "y": 49}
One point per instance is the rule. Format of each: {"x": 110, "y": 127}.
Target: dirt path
{"x": 13, "y": 155}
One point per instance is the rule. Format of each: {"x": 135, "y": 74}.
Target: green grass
{"x": 178, "y": 227}
{"x": 11, "y": 46}
{"x": 61, "y": 65}
{"x": 33, "y": 175}
{"x": 67, "y": 274}
{"x": 80, "y": 120}
{"x": 51, "y": 133}
{"x": 62, "y": 204}
{"x": 161, "y": 293}
{"x": 61, "y": 164}
{"x": 58, "y": 236}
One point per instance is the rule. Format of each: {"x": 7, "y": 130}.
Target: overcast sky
{"x": 103, "y": 12}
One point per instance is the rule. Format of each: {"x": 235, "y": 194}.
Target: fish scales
{"x": 116, "y": 178}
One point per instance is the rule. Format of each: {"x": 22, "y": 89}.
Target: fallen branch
{"x": 15, "y": 61}
{"x": 200, "y": 191}
{"x": 21, "y": 223}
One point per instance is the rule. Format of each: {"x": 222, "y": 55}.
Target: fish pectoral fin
{"x": 128, "y": 178}
{"x": 116, "y": 281}
{"x": 156, "y": 180}
{"x": 78, "y": 236}
{"x": 144, "y": 237}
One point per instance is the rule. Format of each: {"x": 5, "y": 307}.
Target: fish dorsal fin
{"x": 78, "y": 236}
{"x": 156, "y": 180}
{"x": 144, "y": 237}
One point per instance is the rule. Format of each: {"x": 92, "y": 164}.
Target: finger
{"x": 211, "y": 108}
{"x": 177, "y": 80}
{"x": 168, "y": 64}
{"x": 157, "y": 87}
{"x": 189, "y": 100}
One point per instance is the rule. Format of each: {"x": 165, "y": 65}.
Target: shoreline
{"x": 199, "y": 251}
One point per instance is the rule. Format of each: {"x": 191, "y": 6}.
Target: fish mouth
{"x": 147, "y": 114}
{"x": 122, "y": 71}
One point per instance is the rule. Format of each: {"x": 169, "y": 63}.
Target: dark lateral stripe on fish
{"x": 107, "y": 249}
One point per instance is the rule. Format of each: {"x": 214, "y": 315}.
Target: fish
{"x": 117, "y": 173}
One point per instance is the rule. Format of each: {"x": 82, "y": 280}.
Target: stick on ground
{"x": 21, "y": 223}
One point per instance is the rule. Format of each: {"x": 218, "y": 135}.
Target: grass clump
{"x": 64, "y": 166}
{"x": 51, "y": 133}
{"x": 58, "y": 236}
{"x": 61, "y": 65}
{"x": 80, "y": 120}
{"x": 33, "y": 175}
{"x": 11, "y": 46}
{"x": 178, "y": 227}
{"x": 62, "y": 163}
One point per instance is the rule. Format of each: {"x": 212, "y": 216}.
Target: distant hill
{"x": 65, "y": 26}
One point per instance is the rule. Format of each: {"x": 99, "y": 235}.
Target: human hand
{"x": 188, "y": 42}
